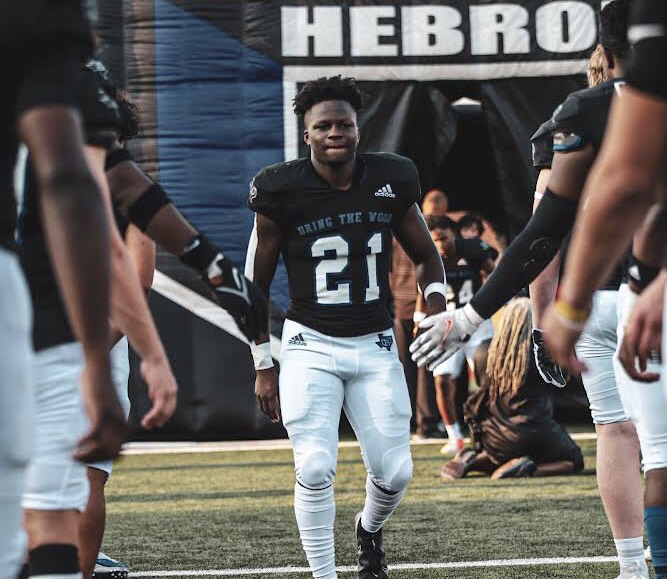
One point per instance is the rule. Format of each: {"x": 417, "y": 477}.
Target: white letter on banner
{"x": 575, "y": 32}
{"x": 365, "y": 31}
{"x": 431, "y": 30}
{"x": 487, "y": 22}
{"x": 326, "y": 29}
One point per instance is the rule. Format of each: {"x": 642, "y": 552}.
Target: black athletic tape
{"x": 527, "y": 256}
{"x": 199, "y": 253}
{"x": 641, "y": 274}
{"x": 57, "y": 559}
{"x": 116, "y": 157}
{"x": 142, "y": 211}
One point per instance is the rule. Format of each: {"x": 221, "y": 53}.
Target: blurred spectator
{"x": 511, "y": 415}
{"x": 435, "y": 202}
{"x": 427, "y": 417}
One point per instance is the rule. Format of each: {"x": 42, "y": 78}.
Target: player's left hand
{"x": 643, "y": 332}
{"x": 445, "y": 334}
{"x": 242, "y": 299}
{"x": 560, "y": 338}
{"x": 266, "y": 390}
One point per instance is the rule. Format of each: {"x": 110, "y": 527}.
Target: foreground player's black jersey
{"x": 51, "y": 325}
{"x": 24, "y": 22}
{"x": 648, "y": 59}
{"x": 337, "y": 244}
{"x": 464, "y": 271}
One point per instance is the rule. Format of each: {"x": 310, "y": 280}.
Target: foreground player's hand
{"x": 643, "y": 332}
{"x": 266, "y": 390}
{"x": 444, "y": 334}
{"x": 550, "y": 372}
{"x": 242, "y": 299}
{"x": 560, "y": 336}
{"x": 108, "y": 427}
{"x": 162, "y": 391}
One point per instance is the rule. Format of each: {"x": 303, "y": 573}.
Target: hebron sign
{"x": 459, "y": 29}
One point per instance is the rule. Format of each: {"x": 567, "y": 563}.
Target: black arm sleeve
{"x": 526, "y": 257}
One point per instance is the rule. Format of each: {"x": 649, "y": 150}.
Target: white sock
{"x": 454, "y": 431}
{"x": 630, "y": 550}
{"x": 315, "y": 513}
{"x": 378, "y": 507}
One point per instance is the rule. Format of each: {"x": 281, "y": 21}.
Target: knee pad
{"x": 317, "y": 470}
{"x": 396, "y": 472}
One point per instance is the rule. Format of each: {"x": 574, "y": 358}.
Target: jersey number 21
{"x": 336, "y": 261}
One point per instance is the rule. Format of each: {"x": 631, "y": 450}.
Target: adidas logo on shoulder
{"x": 385, "y": 191}
{"x": 297, "y": 340}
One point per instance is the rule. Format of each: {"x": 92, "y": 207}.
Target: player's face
{"x": 444, "y": 240}
{"x": 332, "y": 132}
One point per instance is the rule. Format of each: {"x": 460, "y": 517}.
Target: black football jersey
{"x": 51, "y": 325}
{"x": 337, "y": 244}
{"x": 464, "y": 271}
{"x": 648, "y": 59}
{"x": 581, "y": 119}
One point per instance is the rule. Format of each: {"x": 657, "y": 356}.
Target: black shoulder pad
{"x": 542, "y": 146}
{"x": 263, "y": 193}
{"x": 582, "y": 118}
{"x": 472, "y": 249}
{"x": 399, "y": 172}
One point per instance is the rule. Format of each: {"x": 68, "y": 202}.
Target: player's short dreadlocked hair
{"x": 333, "y": 88}
{"x": 614, "y": 27}
{"x": 130, "y": 118}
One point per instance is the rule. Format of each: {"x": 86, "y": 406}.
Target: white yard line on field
{"x": 404, "y": 566}
{"x": 243, "y": 445}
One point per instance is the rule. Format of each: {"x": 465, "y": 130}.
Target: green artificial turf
{"x": 233, "y": 510}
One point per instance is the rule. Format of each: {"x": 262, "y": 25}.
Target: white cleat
{"x": 636, "y": 570}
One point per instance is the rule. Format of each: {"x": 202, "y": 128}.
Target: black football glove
{"x": 550, "y": 372}
{"x": 242, "y": 299}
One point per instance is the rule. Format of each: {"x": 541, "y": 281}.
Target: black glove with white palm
{"x": 550, "y": 372}
{"x": 445, "y": 333}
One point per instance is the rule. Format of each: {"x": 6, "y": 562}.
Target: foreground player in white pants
{"x": 576, "y": 130}
{"x": 332, "y": 216}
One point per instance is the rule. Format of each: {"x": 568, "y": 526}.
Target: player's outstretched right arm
{"x": 261, "y": 262}
{"x": 147, "y": 206}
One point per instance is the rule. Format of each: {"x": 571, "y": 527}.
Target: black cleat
{"x": 371, "y": 558}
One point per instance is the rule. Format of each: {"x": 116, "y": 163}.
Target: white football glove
{"x": 447, "y": 332}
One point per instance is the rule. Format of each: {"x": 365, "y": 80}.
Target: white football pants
{"x": 319, "y": 376}
{"x": 644, "y": 402}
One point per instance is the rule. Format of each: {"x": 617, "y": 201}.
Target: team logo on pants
{"x": 385, "y": 342}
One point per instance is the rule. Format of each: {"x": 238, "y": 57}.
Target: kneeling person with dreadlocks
{"x": 511, "y": 415}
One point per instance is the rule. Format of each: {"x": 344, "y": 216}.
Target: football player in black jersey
{"x": 464, "y": 260}
{"x": 623, "y": 184}
{"x": 332, "y": 216}
{"x": 56, "y": 488}
{"x": 42, "y": 44}
{"x": 576, "y": 128}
